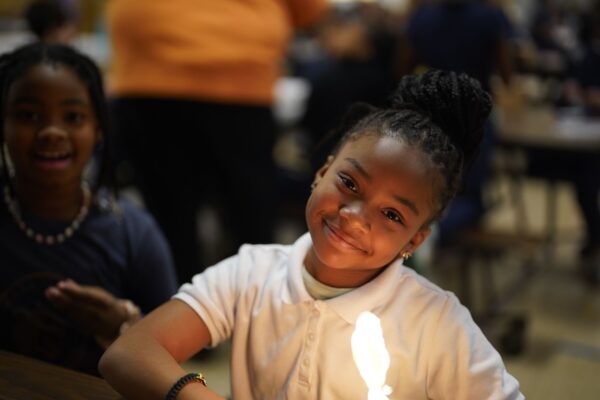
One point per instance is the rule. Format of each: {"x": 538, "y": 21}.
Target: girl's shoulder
{"x": 119, "y": 222}
{"x": 264, "y": 259}
{"x": 123, "y": 211}
{"x": 421, "y": 293}
{"x": 423, "y": 284}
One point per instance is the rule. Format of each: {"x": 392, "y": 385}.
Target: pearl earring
{"x": 406, "y": 255}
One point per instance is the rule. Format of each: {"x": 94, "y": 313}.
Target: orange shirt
{"x": 215, "y": 50}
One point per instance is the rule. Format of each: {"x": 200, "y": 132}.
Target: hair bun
{"x": 454, "y": 102}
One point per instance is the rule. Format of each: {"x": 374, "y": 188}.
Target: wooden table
{"x": 543, "y": 128}
{"x": 24, "y": 378}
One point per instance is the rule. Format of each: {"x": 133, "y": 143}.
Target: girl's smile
{"x": 52, "y": 156}
{"x": 340, "y": 239}
{"x": 369, "y": 204}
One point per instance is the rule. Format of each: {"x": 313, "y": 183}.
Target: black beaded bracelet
{"x": 184, "y": 380}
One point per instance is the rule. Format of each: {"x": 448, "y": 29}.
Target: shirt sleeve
{"x": 463, "y": 365}
{"x": 152, "y": 276}
{"x": 212, "y": 294}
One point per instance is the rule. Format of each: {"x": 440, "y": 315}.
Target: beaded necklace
{"x": 13, "y": 208}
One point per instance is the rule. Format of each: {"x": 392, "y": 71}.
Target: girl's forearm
{"x": 141, "y": 368}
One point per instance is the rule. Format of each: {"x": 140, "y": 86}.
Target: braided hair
{"x": 16, "y": 63}
{"x": 440, "y": 113}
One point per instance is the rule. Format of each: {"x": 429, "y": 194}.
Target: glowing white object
{"x": 370, "y": 355}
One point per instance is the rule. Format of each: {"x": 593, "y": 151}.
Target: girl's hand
{"x": 94, "y": 309}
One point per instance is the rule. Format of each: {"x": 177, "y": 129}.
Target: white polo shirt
{"x": 286, "y": 345}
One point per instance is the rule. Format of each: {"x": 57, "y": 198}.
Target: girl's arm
{"x": 462, "y": 364}
{"x": 143, "y": 363}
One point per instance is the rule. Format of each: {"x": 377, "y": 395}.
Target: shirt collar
{"x": 364, "y": 298}
{"x": 296, "y": 292}
{"x": 369, "y": 296}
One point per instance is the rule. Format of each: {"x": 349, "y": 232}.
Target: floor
{"x": 561, "y": 354}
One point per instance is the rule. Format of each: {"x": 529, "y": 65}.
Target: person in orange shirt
{"x": 192, "y": 87}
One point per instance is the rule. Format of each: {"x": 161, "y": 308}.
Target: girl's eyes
{"x": 74, "y": 118}
{"x": 348, "y": 183}
{"x": 393, "y": 216}
{"x": 390, "y": 214}
{"x": 26, "y": 116}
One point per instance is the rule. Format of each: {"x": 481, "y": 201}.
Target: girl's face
{"x": 369, "y": 205}
{"x": 50, "y": 126}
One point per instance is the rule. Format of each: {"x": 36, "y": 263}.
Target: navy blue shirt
{"x": 460, "y": 37}
{"x": 120, "y": 249}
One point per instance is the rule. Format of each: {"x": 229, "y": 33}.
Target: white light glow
{"x": 370, "y": 355}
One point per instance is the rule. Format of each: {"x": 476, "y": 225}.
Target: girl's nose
{"x": 354, "y": 214}
{"x": 52, "y": 131}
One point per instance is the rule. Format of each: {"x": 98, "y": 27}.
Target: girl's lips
{"x": 340, "y": 239}
{"x": 52, "y": 159}
{"x": 52, "y": 164}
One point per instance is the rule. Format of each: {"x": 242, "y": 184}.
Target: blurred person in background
{"x": 357, "y": 68}
{"x": 582, "y": 169}
{"x": 52, "y": 21}
{"x": 553, "y": 45}
{"x": 192, "y": 86}
{"x": 583, "y": 85}
{"x": 467, "y": 36}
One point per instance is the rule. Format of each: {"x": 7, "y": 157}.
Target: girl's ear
{"x": 416, "y": 241}
{"x": 99, "y": 135}
{"x": 321, "y": 171}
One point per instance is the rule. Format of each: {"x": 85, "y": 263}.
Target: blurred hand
{"x": 94, "y": 309}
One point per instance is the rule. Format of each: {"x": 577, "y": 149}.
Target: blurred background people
{"x": 581, "y": 91}
{"x": 52, "y": 21}
{"x": 583, "y": 83}
{"x": 192, "y": 87}
{"x": 473, "y": 37}
{"x": 356, "y": 67}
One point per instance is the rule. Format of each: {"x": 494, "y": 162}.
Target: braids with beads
{"x": 440, "y": 113}
{"x": 14, "y": 64}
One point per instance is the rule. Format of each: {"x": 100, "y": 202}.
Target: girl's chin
{"x": 347, "y": 262}
{"x": 335, "y": 260}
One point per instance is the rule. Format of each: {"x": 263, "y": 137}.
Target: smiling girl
{"x": 290, "y": 311}
{"x": 78, "y": 266}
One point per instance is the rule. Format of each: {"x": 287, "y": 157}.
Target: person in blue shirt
{"x": 78, "y": 264}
